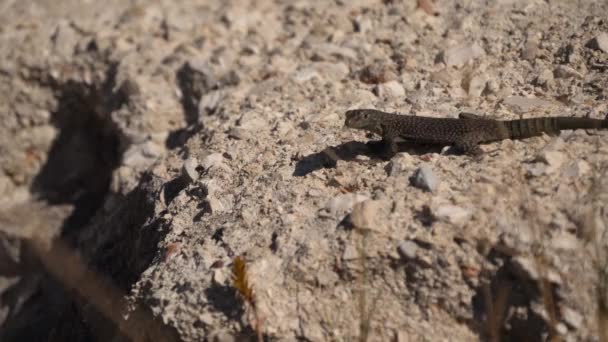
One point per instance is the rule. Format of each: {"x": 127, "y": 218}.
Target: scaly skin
{"x": 466, "y": 132}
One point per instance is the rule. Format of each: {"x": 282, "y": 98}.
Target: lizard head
{"x": 368, "y": 119}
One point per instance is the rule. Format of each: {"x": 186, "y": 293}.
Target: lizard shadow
{"x": 348, "y": 151}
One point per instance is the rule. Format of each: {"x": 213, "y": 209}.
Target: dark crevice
{"x": 85, "y": 153}
{"x": 78, "y": 171}
{"x": 505, "y": 306}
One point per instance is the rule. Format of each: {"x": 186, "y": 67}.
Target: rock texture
{"x": 181, "y": 135}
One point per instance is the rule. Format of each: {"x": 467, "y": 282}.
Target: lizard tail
{"x": 526, "y": 128}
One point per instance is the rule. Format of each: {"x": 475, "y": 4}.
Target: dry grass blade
{"x": 66, "y": 266}
{"x": 240, "y": 280}
{"x": 495, "y": 310}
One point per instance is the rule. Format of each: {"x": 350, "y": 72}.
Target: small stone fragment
{"x": 526, "y": 267}
{"x": 400, "y": 163}
{"x": 545, "y": 78}
{"x": 402, "y": 336}
{"x": 224, "y": 336}
{"x": 425, "y": 179}
{"x": 365, "y": 214}
{"x": 378, "y": 72}
{"x": 600, "y": 42}
{"x": 350, "y": 253}
{"x": 362, "y": 24}
{"x": 340, "y": 204}
{"x": 477, "y": 85}
{"x": 520, "y": 104}
{"x": 530, "y": 50}
{"x": 565, "y": 241}
{"x": 461, "y": 54}
{"x": 408, "y": 249}
{"x": 553, "y": 159}
{"x": 390, "y": 89}
{"x": 327, "y": 277}
{"x": 219, "y": 276}
{"x": 332, "y": 71}
{"x": 576, "y": 169}
{"x": 213, "y": 160}
{"x": 325, "y": 51}
{"x": 535, "y": 169}
{"x": 452, "y": 214}
{"x": 210, "y": 101}
{"x": 189, "y": 169}
{"x": 564, "y": 71}
{"x": 65, "y": 39}
{"x": 572, "y": 318}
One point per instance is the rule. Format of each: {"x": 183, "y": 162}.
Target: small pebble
{"x": 564, "y": 71}
{"x": 462, "y": 54}
{"x": 452, "y": 214}
{"x": 340, "y": 204}
{"x": 390, "y": 89}
{"x": 408, "y": 249}
{"x": 520, "y": 104}
{"x": 378, "y": 72}
{"x": 600, "y": 42}
{"x": 425, "y": 179}
{"x": 350, "y": 253}
{"x": 365, "y": 214}
{"x": 572, "y": 318}
{"x": 189, "y": 169}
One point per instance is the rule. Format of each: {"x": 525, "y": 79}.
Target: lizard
{"x": 465, "y": 132}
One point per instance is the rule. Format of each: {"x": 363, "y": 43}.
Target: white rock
{"x": 564, "y": 71}
{"x": 408, "y": 249}
{"x": 350, "y": 253}
{"x": 65, "y": 39}
{"x": 425, "y": 179}
{"x": 210, "y": 101}
{"x": 212, "y": 160}
{"x": 400, "y": 163}
{"x": 332, "y": 71}
{"x": 252, "y": 120}
{"x": 545, "y": 77}
{"x": 140, "y": 156}
{"x": 520, "y": 104}
{"x": 219, "y": 276}
{"x": 527, "y": 267}
{"x": 477, "y": 85}
{"x": 390, "y": 89}
{"x": 189, "y": 168}
{"x": 600, "y": 42}
{"x": 327, "y": 50}
{"x": 215, "y": 205}
{"x": 535, "y": 169}
{"x": 452, "y": 214}
{"x": 571, "y": 317}
{"x": 461, "y": 54}
{"x": 553, "y": 159}
{"x": 565, "y": 241}
{"x": 305, "y": 75}
{"x": 576, "y": 169}
{"x": 339, "y": 205}
{"x": 365, "y": 214}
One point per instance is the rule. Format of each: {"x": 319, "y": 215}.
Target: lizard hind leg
{"x": 469, "y": 147}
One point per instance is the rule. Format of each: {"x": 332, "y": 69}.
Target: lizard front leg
{"x": 390, "y": 145}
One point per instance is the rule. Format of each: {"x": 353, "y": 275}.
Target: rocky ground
{"x": 158, "y": 141}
